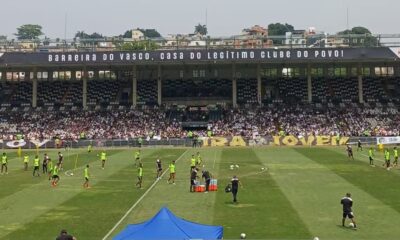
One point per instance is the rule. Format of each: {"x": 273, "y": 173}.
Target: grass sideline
{"x": 296, "y": 198}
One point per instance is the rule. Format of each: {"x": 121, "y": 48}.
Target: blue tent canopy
{"x": 166, "y": 226}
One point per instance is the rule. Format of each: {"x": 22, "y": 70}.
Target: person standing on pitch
{"x": 347, "y": 204}
{"x": 137, "y": 158}
{"x": 103, "y": 158}
{"x": 159, "y": 169}
{"x": 359, "y": 145}
{"x": 172, "y": 172}
{"x": 198, "y": 160}
{"x": 89, "y": 148}
{"x": 387, "y": 159}
{"x": 55, "y": 176}
{"x": 36, "y": 164}
{"x": 26, "y": 162}
{"x": 207, "y": 177}
{"x": 371, "y": 156}
{"x": 60, "y": 161}
{"x": 193, "y": 177}
{"x": 235, "y": 187}
{"x": 86, "y": 175}
{"x": 140, "y": 176}
{"x": 350, "y": 152}
{"x": 4, "y": 163}
{"x": 396, "y": 156}
{"x": 192, "y": 163}
{"x": 44, "y": 164}
{"x": 50, "y": 166}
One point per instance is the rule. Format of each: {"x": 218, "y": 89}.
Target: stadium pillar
{"x": 34, "y": 89}
{"x": 159, "y": 85}
{"x": 84, "y": 88}
{"x": 259, "y": 86}
{"x": 134, "y": 86}
{"x": 360, "y": 84}
{"x": 309, "y": 84}
{"x": 234, "y": 86}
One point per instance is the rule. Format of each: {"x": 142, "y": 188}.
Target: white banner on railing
{"x": 387, "y": 140}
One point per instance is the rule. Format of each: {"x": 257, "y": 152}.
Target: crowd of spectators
{"x": 280, "y": 119}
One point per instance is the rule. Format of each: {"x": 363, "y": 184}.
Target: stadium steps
{"x": 66, "y": 93}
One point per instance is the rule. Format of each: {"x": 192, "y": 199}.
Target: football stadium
{"x": 252, "y": 136}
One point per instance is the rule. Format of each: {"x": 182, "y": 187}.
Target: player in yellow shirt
{"x": 86, "y": 175}
{"x": 26, "y": 162}
{"x": 4, "y": 163}
{"x": 140, "y": 176}
{"x": 36, "y": 164}
{"x": 171, "y": 172}
{"x": 396, "y": 156}
{"x": 103, "y": 158}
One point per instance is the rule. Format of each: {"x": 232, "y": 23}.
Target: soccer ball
{"x": 72, "y": 174}
{"x": 351, "y": 225}
{"x": 243, "y": 236}
{"x": 262, "y": 168}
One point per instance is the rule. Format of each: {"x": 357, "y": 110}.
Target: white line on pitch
{"x": 138, "y": 201}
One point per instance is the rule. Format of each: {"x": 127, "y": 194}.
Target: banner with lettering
{"x": 10, "y": 59}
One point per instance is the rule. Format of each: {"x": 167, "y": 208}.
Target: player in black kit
{"x": 359, "y": 145}
{"x": 159, "y": 168}
{"x": 350, "y": 152}
{"x": 347, "y": 204}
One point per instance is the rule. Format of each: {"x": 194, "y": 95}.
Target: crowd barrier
{"x": 234, "y": 141}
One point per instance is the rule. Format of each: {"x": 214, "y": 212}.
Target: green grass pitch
{"x": 297, "y": 197}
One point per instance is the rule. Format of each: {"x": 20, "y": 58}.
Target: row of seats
{"x": 287, "y": 90}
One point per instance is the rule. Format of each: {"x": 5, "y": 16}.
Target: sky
{"x": 224, "y": 17}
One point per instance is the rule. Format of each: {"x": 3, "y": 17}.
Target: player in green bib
{"x": 396, "y": 156}
{"x": 26, "y": 162}
{"x": 103, "y": 158}
{"x": 86, "y": 175}
{"x": 89, "y": 148}
{"x": 371, "y": 156}
{"x": 55, "y": 176}
{"x": 192, "y": 163}
{"x": 199, "y": 161}
{"x": 137, "y": 158}
{"x": 36, "y": 164}
{"x": 140, "y": 176}
{"x": 4, "y": 163}
{"x": 171, "y": 172}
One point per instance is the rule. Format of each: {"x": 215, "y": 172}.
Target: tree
{"x": 136, "y": 46}
{"x": 359, "y": 37}
{"x": 29, "y": 32}
{"x": 95, "y": 35}
{"x": 127, "y": 34}
{"x": 84, "y": 35}
{"x": 81, "y": 35}
{"x": 279, "y": 29}
{"x": 200, "y": 29}
{"x": 150, "y": 33}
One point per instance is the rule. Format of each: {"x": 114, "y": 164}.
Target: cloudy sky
{"x": 225, "y": 17}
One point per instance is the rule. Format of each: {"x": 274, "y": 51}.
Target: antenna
{"x": 65, "y": 27}
{"x": 206, "y": 19}
{"x": 65, "y": 31}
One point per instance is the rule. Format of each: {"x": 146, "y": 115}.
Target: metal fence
{"x": 173, "y": 142}
{"x": 201, "y": 42}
